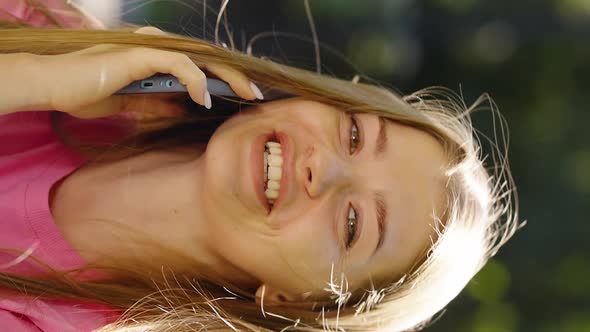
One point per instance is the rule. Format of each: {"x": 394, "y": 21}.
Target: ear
{"x": 269, "y": 294}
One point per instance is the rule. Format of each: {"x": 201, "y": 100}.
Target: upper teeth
{"x": 273, "y": 170}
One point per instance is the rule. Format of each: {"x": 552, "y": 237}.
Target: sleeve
{"x": 24, "y": 131}
{"x": 68, "y": 14}
{"x": 16, "y": 322}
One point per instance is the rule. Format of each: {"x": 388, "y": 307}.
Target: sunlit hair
{"x": 480, "y": 213}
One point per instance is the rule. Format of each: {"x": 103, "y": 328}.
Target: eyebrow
{"x": 381, "y": 212}
{"x": 381, "y": 144}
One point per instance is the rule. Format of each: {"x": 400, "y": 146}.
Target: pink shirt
{"x": 32, "y": 159}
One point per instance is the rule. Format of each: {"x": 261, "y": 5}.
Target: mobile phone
{"x": 162, "y": 83}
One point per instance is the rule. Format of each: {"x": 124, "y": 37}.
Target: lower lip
{"x": 256, "y": 155}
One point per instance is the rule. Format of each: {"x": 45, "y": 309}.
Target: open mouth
{"x": 272, "y": 169}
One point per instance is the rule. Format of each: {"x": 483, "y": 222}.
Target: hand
{"x": 82, "y": 83}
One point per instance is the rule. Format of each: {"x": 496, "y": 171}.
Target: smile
{"x": 272, "y": 170}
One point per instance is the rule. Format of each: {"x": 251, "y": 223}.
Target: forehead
{"x": 411, "y": 177}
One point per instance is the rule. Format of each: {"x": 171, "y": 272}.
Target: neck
{"x": 152, "y": 197}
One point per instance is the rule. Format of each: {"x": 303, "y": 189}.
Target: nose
{"x": 323, "y": 170}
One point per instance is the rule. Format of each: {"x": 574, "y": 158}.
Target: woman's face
{"x": 365, "y": 204}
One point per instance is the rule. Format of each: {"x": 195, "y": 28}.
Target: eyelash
{"x": 351, "y": 228}
{"x": 354, "y": 134}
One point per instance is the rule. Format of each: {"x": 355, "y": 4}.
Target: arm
{"x": 83, "y": 83}
{"x": 19, "y": 90}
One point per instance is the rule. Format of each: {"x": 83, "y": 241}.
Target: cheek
{"x": 218, "y": 194}
{"x": 308, "y": 245}
{"x": 226, "y": 180}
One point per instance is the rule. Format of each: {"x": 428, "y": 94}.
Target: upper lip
{"x": 257, "y": 164}
{"x": 286, "y": 176}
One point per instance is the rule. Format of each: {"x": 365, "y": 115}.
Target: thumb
{"x": 149, "y": 107}
{"x": 103, "y": 108}
{"x": 132, "y": 107}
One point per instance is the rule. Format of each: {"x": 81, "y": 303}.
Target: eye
{"x": 354, "y": 134}
{"x": 351, "y": 227}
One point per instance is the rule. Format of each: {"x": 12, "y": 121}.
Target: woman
{"x": 344, "y": 207}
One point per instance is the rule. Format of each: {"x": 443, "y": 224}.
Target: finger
{"x": 180, "y": 65}
{"x": 237, "y": 80}
{"x": 150, "y": 30}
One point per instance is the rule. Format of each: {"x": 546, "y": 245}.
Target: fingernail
{"x": 207, "y": 100}
{"x": 256, "y": 91}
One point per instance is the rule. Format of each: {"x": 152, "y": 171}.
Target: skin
{"x": 202, "y": 201}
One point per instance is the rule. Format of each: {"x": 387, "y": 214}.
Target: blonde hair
{"x": 481, "y": 213}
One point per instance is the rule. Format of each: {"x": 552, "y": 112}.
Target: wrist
{"x": 36, "y": 77}
{"x": 22, "y": 87}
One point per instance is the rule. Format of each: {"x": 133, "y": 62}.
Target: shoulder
{"x": 19, "y": 314}
{"x": 66, "y": 12}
